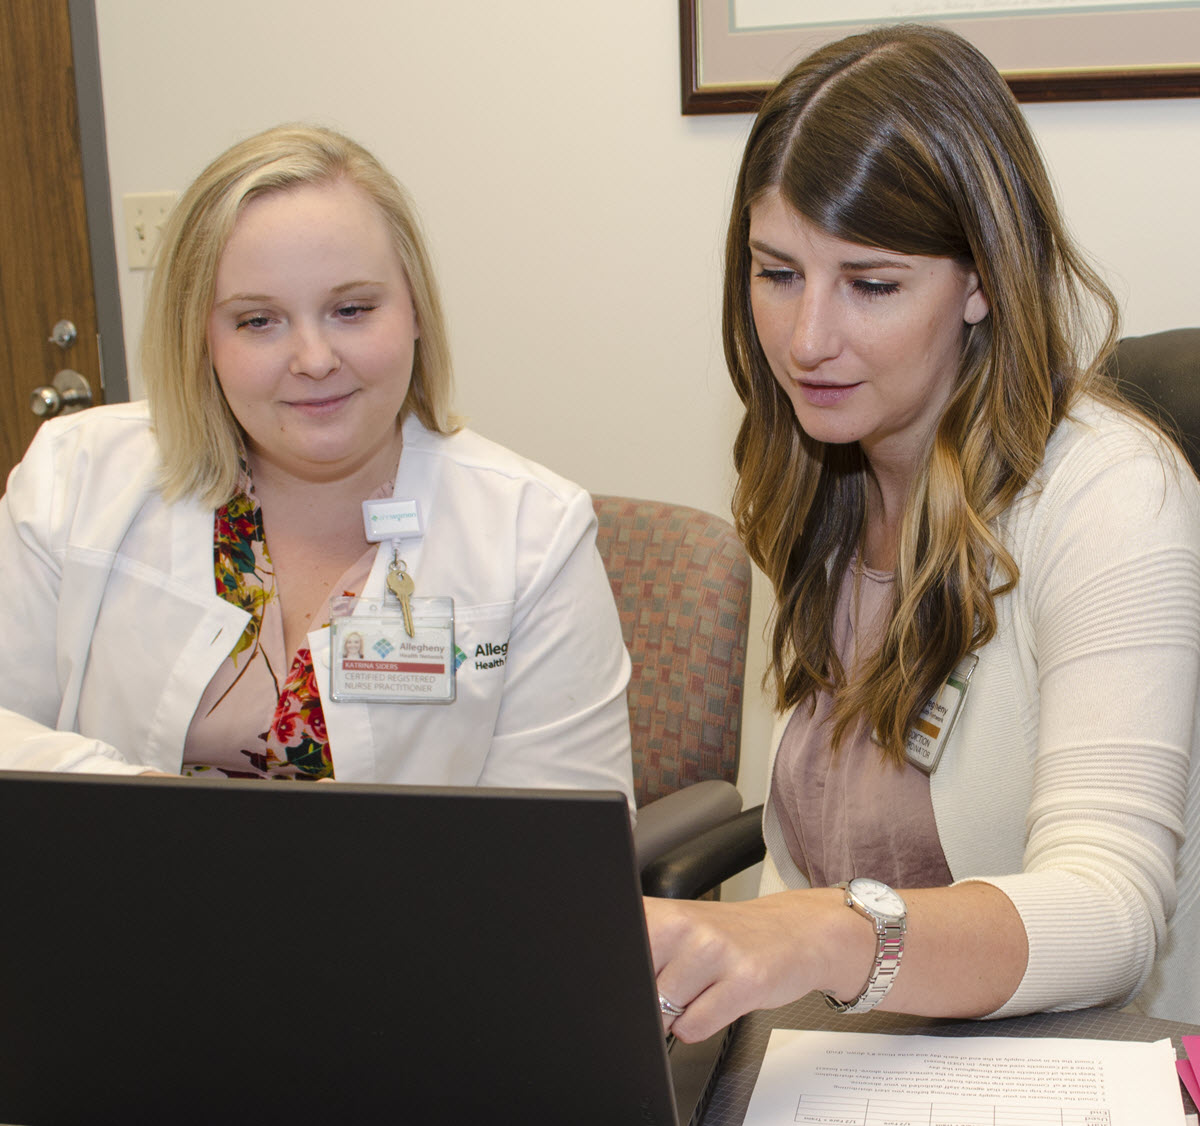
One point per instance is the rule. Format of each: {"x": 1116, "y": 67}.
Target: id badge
{"x": 930, "y": 734}
{"x": 372, "y": 657}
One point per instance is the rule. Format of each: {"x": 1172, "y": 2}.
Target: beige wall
{"x": 574, "y": 214}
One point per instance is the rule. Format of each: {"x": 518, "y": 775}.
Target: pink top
{"x": 854, "y": 814}
{"x": 258, "y": 719}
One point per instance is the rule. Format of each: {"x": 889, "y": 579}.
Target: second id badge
{"x": 375, "y": 657}
{"x": 930, "y": 734}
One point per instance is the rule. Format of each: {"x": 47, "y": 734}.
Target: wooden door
{"x": 45, "y": 260}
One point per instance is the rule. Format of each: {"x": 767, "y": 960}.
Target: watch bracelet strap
{"x": 889, "y": 949}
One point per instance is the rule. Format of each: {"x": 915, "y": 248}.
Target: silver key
{"x": 401, "y": 584}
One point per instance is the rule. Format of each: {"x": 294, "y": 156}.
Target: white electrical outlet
{"x": 145, "y": 214}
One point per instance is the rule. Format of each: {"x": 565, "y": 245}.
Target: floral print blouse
{"x": 257, "y": 719}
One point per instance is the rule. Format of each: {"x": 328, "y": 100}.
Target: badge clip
{"x": 392, "y": 518}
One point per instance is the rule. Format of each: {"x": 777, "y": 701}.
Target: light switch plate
{"x": 145, "y": 214}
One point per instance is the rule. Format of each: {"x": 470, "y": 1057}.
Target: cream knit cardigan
{"x": 1072, "y": 780}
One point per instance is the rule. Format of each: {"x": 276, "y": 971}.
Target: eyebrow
{"x": 264, "y": 298}
{"x": 854, "y": 266}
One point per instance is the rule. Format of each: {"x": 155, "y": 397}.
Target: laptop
{"x": 227, "y": 951}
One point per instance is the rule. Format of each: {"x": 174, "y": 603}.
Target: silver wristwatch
{"x": 877, "y": 902}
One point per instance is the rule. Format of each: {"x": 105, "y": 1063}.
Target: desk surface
{"x": 731, "y": 1096}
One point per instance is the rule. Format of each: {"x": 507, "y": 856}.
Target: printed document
{"x": 867, "y": 1079}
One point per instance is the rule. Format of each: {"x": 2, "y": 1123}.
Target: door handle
{"x": 69, "y": 392}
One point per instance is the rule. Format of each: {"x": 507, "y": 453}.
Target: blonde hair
{"x": 199, "y": 439}
{"x": 906, "y": 138}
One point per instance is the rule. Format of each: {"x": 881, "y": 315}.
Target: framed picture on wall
{"x": 733, "y": 51}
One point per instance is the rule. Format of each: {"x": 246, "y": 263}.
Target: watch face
{"x": 877, "y": 897}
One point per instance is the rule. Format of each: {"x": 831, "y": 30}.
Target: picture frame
{"x": 1047, "y": 52}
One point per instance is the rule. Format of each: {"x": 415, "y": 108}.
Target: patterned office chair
{"x": 681, "y": 580}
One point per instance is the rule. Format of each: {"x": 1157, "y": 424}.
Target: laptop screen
{"x": 191, "y": 951}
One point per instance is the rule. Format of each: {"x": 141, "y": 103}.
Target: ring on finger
{"x": 668, "y": 1008}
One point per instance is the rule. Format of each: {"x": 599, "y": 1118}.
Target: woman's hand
{"x": 965, "y": 952}
{"x": 720, "y": 960}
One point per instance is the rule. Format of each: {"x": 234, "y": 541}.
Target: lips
{"x": 327, "y": 402}
{"x": 826, "y": 394}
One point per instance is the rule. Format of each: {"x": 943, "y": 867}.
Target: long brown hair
{"x": 907, "y": 139}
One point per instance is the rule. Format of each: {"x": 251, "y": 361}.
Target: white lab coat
{"x": 112, "y": 626}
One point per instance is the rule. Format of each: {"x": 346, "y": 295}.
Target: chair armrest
{"x": 707, "y": 860}
{"x": 669, "y": 821}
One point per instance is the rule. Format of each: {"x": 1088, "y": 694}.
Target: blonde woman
{"x": 986, "y": 635}
{"x": 180, "y": 566}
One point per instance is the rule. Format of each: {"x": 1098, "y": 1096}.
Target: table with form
{"x": 735, "y": 1084}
